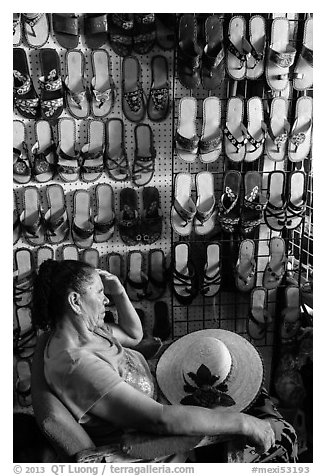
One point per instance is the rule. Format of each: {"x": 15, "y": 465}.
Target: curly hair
{"x": 51, "y": 286}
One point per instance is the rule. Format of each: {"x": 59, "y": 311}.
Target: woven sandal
{"x": 291, "y": 322}
{"x": 144, "y": 33}
{"x": 257, "y": 41}
{"x": 23, "y": 276}
{"x": 56, "y": 218}
{"x": 17, "y": 29}
{"x": 278, "y": 130}
{"x": 82, "y": 229}
{"x": 136, "y": 279}
{"x": 36, "y": 29}
{"x": 212, "y": 271}
{"x": 95, "y": 29}
{"x": 254, "y": 203}
{"x": 104, "y": 220}
{"x": 143, "y": 165}
{"x": 236, "y": 54}
{"x": 256, "y": 130}
{"x": 115, "y": 155}
{"x": 51, "y": 97}
{"x": 235, "y": 133}
{"x": 16, "y": 221}
{"x": 133, "y": 98}
{"x": 185, "y": 281}
{"x": 22, "y": 171}
{"x": 303, "y": 70}
{"x": 210, "y": 144}
{"x": 151, "y": 220}
{"x": 44, "y": 153}
{"x": 299, "y": 144}
{"x": 68, "y": 156}
{"x": 92, "y": 160}
{"x": 43, "y": 253}
{"x": 121, "y": 27}
{"x": 183, "y": 209}
{"x": 204, "y": 220}
{"x": 91, "y": 256}
{"x": 188, "y": 53}
{"x": 75, "y": 89}
{"x": 229, "y": 203}
{"x": 65, "y": 29}
{"x": 129, "y": 222}
{"x": 158, "y": 103}
{"x": 276, "y": 266}
{"x": 102, "y": 85}
{"x": 70, "y": 252}
{"x": 259, "y": 317}
{"x": 245, "y": 268}
{"x": 296, "y": 204}
{"x": 31, "y": 219}
{"x": 186, "y": 139}
{"x": 274, "y": 213}
{"x": 26, "y": 100}
{"x": 157, "y": 276}
{"x": 213, "y": 59}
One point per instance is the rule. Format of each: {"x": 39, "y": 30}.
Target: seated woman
{"x": 107, "y": 386}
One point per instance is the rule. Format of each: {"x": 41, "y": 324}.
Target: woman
{"x": 92, "y": 368}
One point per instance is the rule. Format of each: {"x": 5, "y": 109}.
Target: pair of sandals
{"x": 32, "y": 27}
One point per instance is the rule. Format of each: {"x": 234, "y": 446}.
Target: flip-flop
{"x": 65, "y": 29}
{"x": 56, "y": 218}
{"x": 280, "y": 55}
{"x": 296, "y": 204}
{"x": 213, "y": 62}
{"x": 129, "y": 221}
{"x": 23, "y": 276}
{"x": 44, "y": 153}
{"x": 114, "y": 264}
{"x": 256, "y": 129}
{"x": 43, "y": 253}
{"x": 115, "y": 155}
{"x": 16, "y": 221}
{"x": 205, "y": 217}
{"x": 276, "y": 266}
{"x": 91, "y": 256}
{"x": 183, "y": 209}
{"x": 68, "y": 155}
{"x": 274, "y": 213}
{"x": 133, "y": 98}
{"x": 299, "y": 144}
{"x": 92, "y": 160}
{"x": 23, "y": 382}
{"x": 188, "y": 52}
{"x": 212, "y": 271}
{"x": 245, "y": 269}
{"x": 143, "y": 165}
{"x": 303, "y": 70}
{"x": 26, "y": 100}
{"x": 121, "y": 27}
{"x": 257, "y": 41}
{"x": 136, "y": 279}
{"x": 36, "y": 29}
{"x": 95, "y": 29}
{"x": 82, "y": 229}
{"x": 51, "y": 96}
{"x": 235, "y": 132}
{"x": 17, "y": 29}
{"x": 253, "y": 202}
{"x": 210, "y": 144}
{"x": 158, "y": 103}
{"x": 186, "y": 139}
{"x": 259, "y": 317}
{"x": 162, "y": 325}
{"x": 102, "y": 85}
{"x": 278, "y": 130}
{"x": 144, "y": 32}
{"x": 229, "y": 203}
{"x": 22, "y": 171}
{"x": 104, "y": 219}
{"x": 75, "y": 88}
{"x": 70, "y": 252}
{"x": 156, "y": 275}
{"x": 235, "y": 52}
{"x": 151, "y": 220}
{"x": 165, "y": 30}
{"x": 291, "y": 323}
{"x": 31, "y": 217}
{"x": 185, "y": 280}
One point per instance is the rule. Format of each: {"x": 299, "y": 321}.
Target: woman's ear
{"x": 74, "y": 301}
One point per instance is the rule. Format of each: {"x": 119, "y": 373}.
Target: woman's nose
{"x": 106, "y": 300}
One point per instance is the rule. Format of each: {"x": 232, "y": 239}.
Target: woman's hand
{"x": 112, "y": 284}
{"x": 259, "y": 433}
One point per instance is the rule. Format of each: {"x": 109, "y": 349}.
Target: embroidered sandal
{"x": 115, "y": 155}
{"x": 56, "y": 218}
{"x": 144, "y": 32}
{"x": 229, "y": 203}
{"x": 44, "y": 153}
{"x": 158, "y": 103}
{"x": 276, "y": 266}
{"x": 26, "y": 99}
{"x": 210, "y": 143}
{"x": 186, "y": 139}
{"x": 51, "y": 97}
{"x": 245, "y": 268}
{"x": 76, "y": 100}
{"x": 133, "y": 101}
{"x": 92, "y": 161}
{"x": 21, "y": 164}
{"x": 121, "y": 27}
{"x": 143, "y": 165}
{"x": 104, "y": 219}
{"x": 102, "y": 85}
{"x": 68, "y": 156}
{"x": 183, "y": 209}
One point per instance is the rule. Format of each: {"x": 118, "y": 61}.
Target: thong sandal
{"x": 303, "y": 71}
{"x": 188, "y": 54}
{"x": 245, "y": 268}
{"x": 278, "y": 130}
{"x": 22, "y": 172}
{"x": 65, "y": 29}
{"x": 115, "y": 155}
{"x": 257, "y": 41}
{"x": 104, "y": 220}
{"x": 151, "y": 220}
{"x": 156, "y": 274}
{"x": 31, "y": 218}
{"x": 291, "y": 313}
{"x": 236, "y": 55}
{"x": 235, "y": 133}
{"x": 102, "y": 85}
{"x": 44, "y": 153}
{"x": 213, "y": 59}
{"x": 23, "y": 276}
{"x": 158, "y": 103}
{"x": 276, "y": 265}
{"x": 143, "y": 165}
{"x": 129, "y": 222}
{"x": 75, "y": 89}
{"x": 204, "y": 220}
{"x": 259, "y": 317}
{"x": 256, "y": 130}
{"x": 17, "y": 29}
{"x": 212, "y": 271}
{"x": 82, "y": 229}
{"x": 95, "y": 29}
{"x": 26, "y": 100}
{"x": 133, "y": 98}
{"x": 185, "y": 281}
{"x": 91, "y": 256}
{"x": 186, "y": 139}
{"x": 210, "y": 144}
{"x": 274, "y": 213}
{"x": 68, "y": 156}
{"x": 136, "y": 279}
{"x": 253, "y": 202}
{"x": 23, "y": 382}
{"x": 296, "y": 204}
{"x": 51, "y": 97}
{"x": 229, "y": 204}
{"x": 92, "y": 161}
{"x": 183, "y": 209}
{"x": 36, "y": 29}
{"x": 300, "y": 136}
{"x": 56, "y": 218}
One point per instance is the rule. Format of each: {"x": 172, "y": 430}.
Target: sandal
{"x": 43, "y": 253}
{"x": 22, "y": 171}
{"x": 16, "y": 221}
{"x": 31, "y": 218}
{"x": 274, "y": 213}
{"x": 95, "y": 29}
{"x": 23, "y": 382}
{"x": 276, "y": 266}
{"x": 70, "y": 252}
{"x": 165, "y": 30}
{"x": 281, "y": 55}
{"x": 26, "y": 99}
{"x": 121, "y": 27}
{"x": 278, "y": 130}
{"x": 65, "y": 29}
{"x": 68, "y": 156}
{"x": 23, "y": 277}
{"x": 104, "y": 220}
{"x": 17, "y": 29}
{"x": 299, "y": 144}
{"x": 183, "y": 209}
{"x": 143, "y": 165}
{"x": 25, "y": 324}
{"x": 212, "y": 271}
{"x": 51, "y": 97}
{"x": 204, "y": 220}
{"x": 256, "y": 130}
{"x": 75, "y": 88}
{"x": 245, "y": 268}
{"x": 186, "y": 139}
{"x": 156, "y": 274}
{"x": 236, "y": 55}
{"x": 82, "y": 229}
{"x": 151, "y": 220}
{"x": 115, "y": 155}
{"x": 133, "y": 98}
{"x": 144, "y": 32}
{"x": 56, "y": 218}
{"x": 129, "y": 222}
{"x": 253, "y": 202}
{"x": 296, "y": 204}
{"x": 229, "y": 204}
{"x": 303, "y": 71}
{"x": 259, "y": 317}
{"x": 92, "y": 161}
{"x": 188, "y": 54}
{"x": 136, "y": 279}
{"x": 158, "y": 104}
{"x": 291, "y": 313}
{"x": 162, "y": 325}
{"x": 210, "y": 144}
{"x": 36, "y": 29}
{"x": 44, "y": 153}
{"x": 257, "y": 41}
{"x": 114, "y": 265}
{"x": 91, "y": 256}
{"x": 235, "y": 133}
{"x": 213, "y": 59}
{"x": 102, "y": 85}
{"x": 185, "y": 281}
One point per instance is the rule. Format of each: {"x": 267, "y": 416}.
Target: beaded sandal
{"x": 133, "y": 102}
{"x": 159, "y": 101}
{"x": 75, "y": 88}
{"x": 237, "y": 48}
{"x": 102, "y": 85}
{"x": 229, "y": 204}
{"x": 235, "y": 133}
{"x": 121, "y": 27}
{"x": 256, "y": 130}
{"x": 144, "y": 33}
{"x": 36, "y": 29}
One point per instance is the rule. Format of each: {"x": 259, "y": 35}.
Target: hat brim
{"x": 244, "y": 381}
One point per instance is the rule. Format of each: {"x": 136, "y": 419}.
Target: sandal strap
{"x": 21, "y": 165}
{"x": 213, "y": 62}
{"x": 203, "y": 216}
{"x": 250, "y": 275}
{"x": 61, "y": 223}
{"x": 66, "y": 25}
{"x": 138, "y": 285}
{"x": 187, "y": 215}
{"x": 41, "y": 165}
{"x": 282, "y": 265}
{"x": 237, "y": 144}
{"x": 256, "y": 143}
{"x": 102, "y": 228}
{"x": 267, "y": 318}
{"x": 192, "y": 62}
{"x": 35, "y": 227}
{"x": 234, "y": 50}
{"x": 212, "y": 143}
{"x": 91, "y": 156}
{"x": 98, "y": 24}
{"x": 76, "y": 98}
{"x": 190, "y": 145}
{"x": 250, "y": 200}
{"x": 134, "y": 98}
{"x": 228, "y": 195}
{"x": 307, "y": 54}
{"x": 294, "y": 211}
{"x": 255, "y": 54}
{"x": 283, "y": 59}
{"x": 101, "y": 97}
{"x": 160, "y": 97}
{"x": 26, "y": 83}
{"x": 83, "y": 232}
{"x": 120, "y": 164}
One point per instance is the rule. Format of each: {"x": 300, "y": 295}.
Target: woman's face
{"x": 93, "y": 302}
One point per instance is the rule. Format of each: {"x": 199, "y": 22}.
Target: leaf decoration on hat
{"x": 206, "y": 393}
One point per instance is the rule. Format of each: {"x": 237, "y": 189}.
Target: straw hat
{"x": 211, "y": 368}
